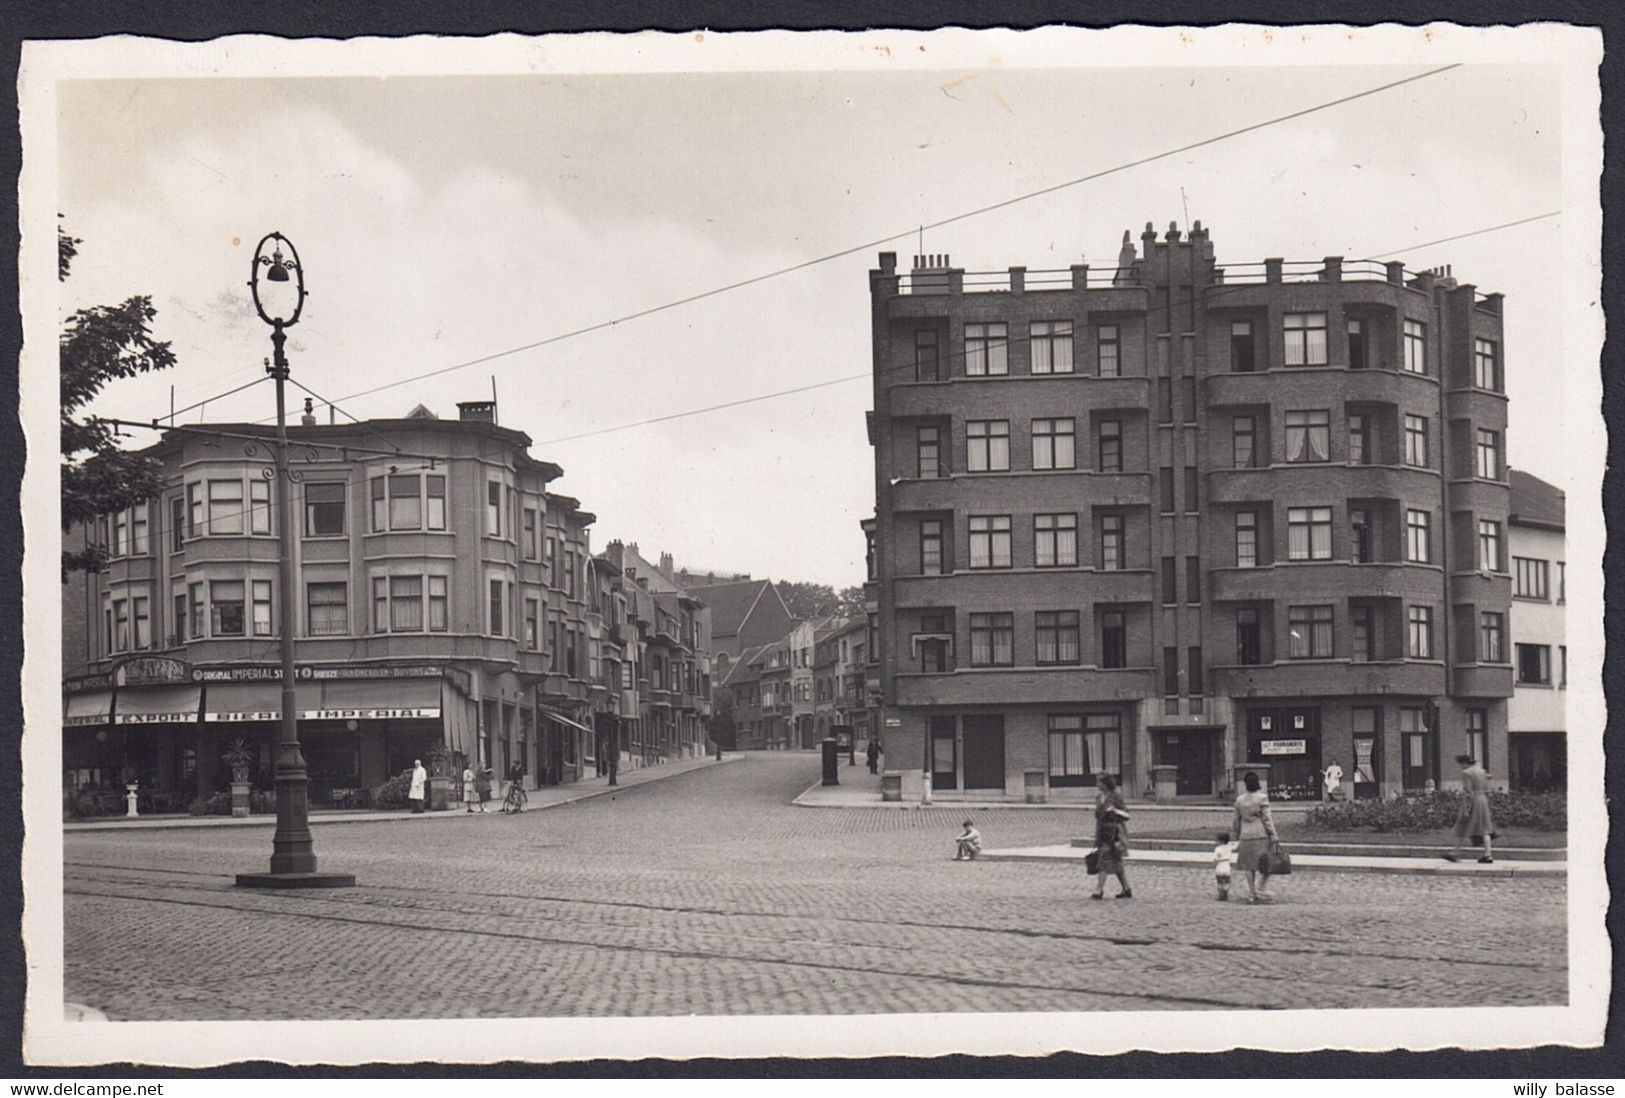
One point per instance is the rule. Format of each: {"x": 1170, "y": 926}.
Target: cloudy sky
{"x": 442, "y": 219}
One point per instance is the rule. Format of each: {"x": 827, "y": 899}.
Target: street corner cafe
{"x": 164, "y": 724}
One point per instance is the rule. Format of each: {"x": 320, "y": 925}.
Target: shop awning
{"x": 555, "y": 715}
{"x": 240, "y": 702}
{"x": 87, "y": 709}
{"x": 158, "y": 704}
{"x": 364, "y": 700}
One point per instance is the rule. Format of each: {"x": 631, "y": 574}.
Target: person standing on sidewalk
{"x": 468, "y": 786}
{"x": 1253, "y": 831}
{"x": 873, "y": 755}
{"x": 1111, "y": 842}
{"x": 1332, "y": 780}
{"x": 420, "y": 777}
{"x": 1473, "y": 821}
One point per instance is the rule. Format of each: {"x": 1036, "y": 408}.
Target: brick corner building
{"x": 1172, "y": 520}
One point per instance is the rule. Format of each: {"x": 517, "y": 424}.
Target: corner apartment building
{"x": 1536, "y": 725}
{"x": 1175, "y": 518}
{"x": 445, "y": 600}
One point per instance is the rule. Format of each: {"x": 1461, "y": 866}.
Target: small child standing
{"x": 1224, "y": 856}
{"x": 970, "y": 843}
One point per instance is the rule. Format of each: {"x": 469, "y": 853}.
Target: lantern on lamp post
{"x": 293, "y": 851}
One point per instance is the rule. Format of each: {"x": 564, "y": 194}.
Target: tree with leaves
{"x": 99, "y": 345}
{"x": 811, "y": 601}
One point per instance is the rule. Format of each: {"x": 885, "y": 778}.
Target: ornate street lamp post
{"x": 293, "y": 851}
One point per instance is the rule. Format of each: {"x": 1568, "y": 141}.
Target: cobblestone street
{"x": 708, "y": 893}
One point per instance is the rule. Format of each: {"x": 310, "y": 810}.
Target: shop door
{"x": 1289, "y": 740}
{"x": 984, "y": 752}
{"x": 1419, "y": 761}
{"x": 1192, "y": 754}
{"x": 944, "y": 754}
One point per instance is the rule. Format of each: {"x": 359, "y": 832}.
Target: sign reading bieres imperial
{"x": 316, "y": 688}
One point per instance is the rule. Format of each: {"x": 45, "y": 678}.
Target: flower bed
{"x": 1430, "y": 811}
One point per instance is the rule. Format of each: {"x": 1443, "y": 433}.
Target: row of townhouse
{"x": 1176, "y": 519}
{"x": 449, "y": 605}
{"x": 841, "y": 678}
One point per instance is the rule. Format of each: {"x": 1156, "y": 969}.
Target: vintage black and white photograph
{"x": 752, "y": 544}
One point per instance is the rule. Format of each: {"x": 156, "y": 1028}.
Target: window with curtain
{"x": 990, "y": 541}
{"x": 1053, "y": 446}
{"x": 1111, "y": 543}
{"x": 1416, "y": 441}
{"x": 1416, "y": 335}
{"x": 1491, "y": 637}
{"x": 1246, "y": 539}
{"x": 1057, "y": 636}
{"x": 1308, "y": 435}
{"x": 327, "y": 609}
{"x": 406, "y": 604}
{"x": 1051, "y": 343}
{"x": 1305, "y": 338}
{"x": 1309, "y": 632}
{"x": 1418, "y": 537}
{"x": 987, "y": 445}
{"x": 928, "y": 452}
{"x": 1244, "y": 442}
{"x": 992, "y": 640}
{"x": 1111, "y": 446}
{"x": 1419, "y": 632}
{"x": 986, "y": 350}
{"x": 1309, "y": 533}
{"x": 225, "y": 507}
{"x": 1108, "y": 351}
{"x": 1055, "y": 541}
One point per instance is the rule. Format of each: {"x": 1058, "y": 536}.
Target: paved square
{"x": 708, "y": 893}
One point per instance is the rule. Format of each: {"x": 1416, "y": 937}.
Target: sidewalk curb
{"x": 1307, "y": 864}
{"x": 809, "y": 798}
{"x": 188, "y": 823}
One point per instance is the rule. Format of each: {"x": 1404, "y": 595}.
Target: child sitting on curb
{"x": 970, "y": 843}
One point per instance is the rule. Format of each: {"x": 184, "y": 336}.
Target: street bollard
{"x": 832, "y": 762}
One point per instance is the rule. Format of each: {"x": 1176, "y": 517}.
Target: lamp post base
{"x": 295, "y": 880}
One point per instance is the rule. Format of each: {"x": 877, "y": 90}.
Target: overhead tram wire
{"x": 911, "y": 231}
{"x": 218, "y": 396}
{"x": 355, "y": 419}
{"x": 954, "y": 356}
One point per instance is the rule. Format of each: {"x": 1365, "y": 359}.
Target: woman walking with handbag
{"x": 1474, "y": 822}
{"x": 1111, "y": 844}
{"x": 1254, "y": 833}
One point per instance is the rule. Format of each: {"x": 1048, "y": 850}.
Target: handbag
{"x": 1091, "y": 862}
{"x": 1274, "y": 862}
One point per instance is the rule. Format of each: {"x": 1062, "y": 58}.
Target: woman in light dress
{"x": 1253, "y": 831}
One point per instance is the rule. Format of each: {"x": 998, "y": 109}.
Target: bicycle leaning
{"x": 516, "y": 798}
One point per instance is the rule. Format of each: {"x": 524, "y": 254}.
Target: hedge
{"x": 1432, "y": 811}
{"x": 392, "y": 794}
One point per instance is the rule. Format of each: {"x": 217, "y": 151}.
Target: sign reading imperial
{"x": 272, "y": 673}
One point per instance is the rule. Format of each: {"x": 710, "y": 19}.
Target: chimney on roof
{"x": 477, "y": 411}
{"x": 309, "y": 418}
{"x": 666, "y": 566}
{"x": 1173, "y": 232}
